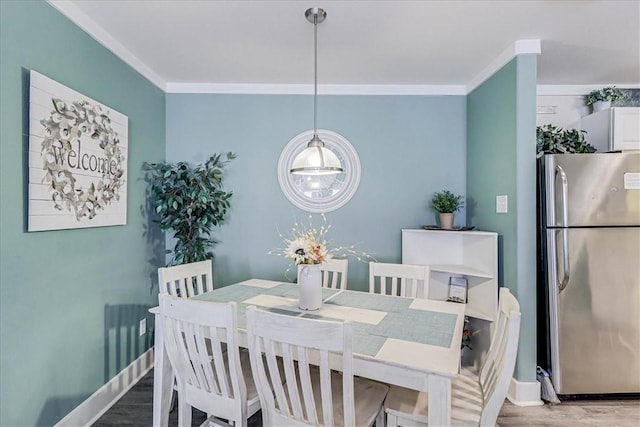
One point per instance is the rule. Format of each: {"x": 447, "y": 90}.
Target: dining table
{"x": 408, "y": 342}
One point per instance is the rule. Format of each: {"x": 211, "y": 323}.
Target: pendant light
{"x": 316, "y": 159}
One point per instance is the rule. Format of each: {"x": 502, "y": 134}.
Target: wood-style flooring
{"x": 136, "y": 409}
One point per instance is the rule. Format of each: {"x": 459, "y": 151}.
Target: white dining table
{"x": 412, "y": 343}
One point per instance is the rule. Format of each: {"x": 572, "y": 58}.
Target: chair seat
{"x": 369, "y": 396}
{"x": 412, "y": 406}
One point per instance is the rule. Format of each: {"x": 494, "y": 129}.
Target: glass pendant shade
{"x": 316, "y": 160}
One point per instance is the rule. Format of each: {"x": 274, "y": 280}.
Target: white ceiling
{"x": 444, "y": 43}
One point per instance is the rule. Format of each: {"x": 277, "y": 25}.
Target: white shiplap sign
{"x": 78, "y": 150}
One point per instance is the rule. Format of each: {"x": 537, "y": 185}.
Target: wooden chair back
{"x": 309, "y": 342}
{"x": 186, "y": 280}
{"x": 496, "y": 372}
{"x": 206, "y": 378}
{"x": 334, "y": 273}
{"x": 404, "y": 280}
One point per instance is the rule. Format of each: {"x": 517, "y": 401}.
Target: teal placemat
{"x": 370, "y": 301}
{"x": 242, "y": 313}
{"x": 242, "y": 292}
{"x": 230, "y": 293}
{"x": 434, "y": 328}
{"x": 365, "y": 341}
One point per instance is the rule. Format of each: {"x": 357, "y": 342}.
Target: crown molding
{"x": 303, "y": 89}
{"x": 91, "y": 27}
{"x": 578, "y": 90}
{"x": 519, "y": 47}
{"x": 78, "y": 17}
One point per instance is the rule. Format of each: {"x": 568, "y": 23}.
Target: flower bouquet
{"x": 308, "y": 245}
{"x": 308, "y": 248}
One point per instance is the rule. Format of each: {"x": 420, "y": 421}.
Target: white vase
{"x": 601, "y": 105}
{"x": 446, "y": 221}
{"x": 310, "y": 287}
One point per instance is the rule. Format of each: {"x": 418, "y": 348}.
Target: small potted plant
{"x": 446, "y": 204}
{"x": 601, "y": 99}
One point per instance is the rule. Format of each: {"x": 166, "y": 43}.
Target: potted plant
{"x": 552, "y": 139}
{"x": 446, "y": 204}
{"x": 601, "y": 99}
{"x": 189, "y": 201}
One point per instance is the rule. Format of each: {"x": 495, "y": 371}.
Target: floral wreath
{"x": 66, "y": 125}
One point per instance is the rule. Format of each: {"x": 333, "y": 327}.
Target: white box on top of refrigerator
{"x": 613, "y": 129}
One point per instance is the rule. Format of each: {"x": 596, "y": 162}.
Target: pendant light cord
{"x": 315, "y": 74}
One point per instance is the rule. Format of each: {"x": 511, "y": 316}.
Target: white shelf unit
{"x": 469, "y": 254}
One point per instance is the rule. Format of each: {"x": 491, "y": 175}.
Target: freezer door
{"x": 583, "y": 190}
{"x": 595, "y": 313}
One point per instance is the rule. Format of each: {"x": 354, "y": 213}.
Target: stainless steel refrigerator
{"x": 591, "y": 236}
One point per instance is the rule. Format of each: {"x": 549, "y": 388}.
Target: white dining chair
{"x": 186, "y": 280}
{"x": 334, "y": 273}
{"x": 403, "y": 280}
{"x": 213, "y": 379}
{"x": 475, "y": 399}
{"x": 312, "y": 394}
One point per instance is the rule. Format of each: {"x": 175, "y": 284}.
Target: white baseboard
{"x": 106, "y": 396}
{"x": 524, "y": 393}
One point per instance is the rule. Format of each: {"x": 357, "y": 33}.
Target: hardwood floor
{"x": 136, "y": 409}
{"x": 587, "y": 413}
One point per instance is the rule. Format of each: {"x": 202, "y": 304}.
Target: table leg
{"x": 162, "y": 378}
{"x": 439, "y": 400}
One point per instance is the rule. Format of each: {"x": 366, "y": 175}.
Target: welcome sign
{"x": 77, "y": 159}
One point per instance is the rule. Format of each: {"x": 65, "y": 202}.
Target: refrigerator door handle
{"x": 565, "y": 231}
{"x": 565, "y": 257}
{"x": 553, "y": 292}
{"x": 565, "y": 191}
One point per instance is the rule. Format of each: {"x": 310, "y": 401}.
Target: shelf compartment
{"x": 461, "y": 270}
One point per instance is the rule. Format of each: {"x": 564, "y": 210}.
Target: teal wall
{"x": 64, "y": 294}
{"x": 409, "y": 147}
{"x": 501, "y": 161}
{"x": 491, "y": 163}
{"x": 526, "y": 214}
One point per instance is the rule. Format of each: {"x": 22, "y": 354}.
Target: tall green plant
{"x": 552, "y": 139}
{"x": 190, "y": 202}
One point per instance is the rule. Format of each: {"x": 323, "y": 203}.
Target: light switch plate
{"x": 502, "y": 204}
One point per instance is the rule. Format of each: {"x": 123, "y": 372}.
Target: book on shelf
{"x": 457, "y": 289}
